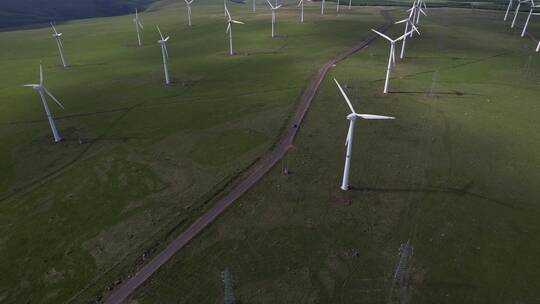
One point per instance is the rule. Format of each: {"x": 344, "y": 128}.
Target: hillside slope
{"x": 17, "y": 13}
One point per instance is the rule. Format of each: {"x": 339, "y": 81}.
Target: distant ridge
{"x": 16, "y": 13}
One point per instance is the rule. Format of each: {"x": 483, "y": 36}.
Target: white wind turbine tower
{"x": 533, "y": 6}
{"x": 322, "y": 7}
{"x": 274, "y": 10}
{"x": 230, "y": 21}
{"x": 392, "y": 57}
{"x": 301, "y": 5}
{"x": 350, "y": 4}
{"x": 337, "y": 6}
{"x": 510, "y": 4}
{"x": 42, "y": 91}
{"x": 165, "y": 53}
{"x": 188, "y": 6}
{"x": 408, "y": 22}
{"x": 138, "y": 26}
{"x": 57, "y": 36}
{"x": 516, "y": 13}
{"x": 254, "y": 1}
{"x": 350, "y": 135}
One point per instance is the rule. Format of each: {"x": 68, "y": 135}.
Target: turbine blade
{"x": 41, "y": 74}
{"x": 228, "y": 27}
{"x": 415, "y": 29}
{"x": 270, "y": 4}
{"x": 374, "y": 117}
{"x": 404, "y": 35}
{"x": 54, "y": 28}
{"x": 345, "y": 96}
{"x": 161, "y": 35}
{"x": 382, "y": 35}
{"x": 237, "y": 22}
{"x": 54, "y": 98}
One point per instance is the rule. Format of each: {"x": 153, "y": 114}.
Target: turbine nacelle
{"x": 164, "y": 40}
{"x": 274, "y": 8}
{"x": 393, "y": 41}
{"x": 352, "y": 116}
{"x": 41, "y": 87}
{"x": 34, "y": 86}
{"x": 56, "y": 34}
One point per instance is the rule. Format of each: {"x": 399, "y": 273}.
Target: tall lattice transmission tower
{"x": 401, "y": 274}
{"x": 228, "y": 287}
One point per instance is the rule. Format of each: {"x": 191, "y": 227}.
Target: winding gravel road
{"x": 257, "y": 171}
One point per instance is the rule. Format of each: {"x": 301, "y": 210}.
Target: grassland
{"x": 74, "y": 219}
{"x": 457, "y": 174}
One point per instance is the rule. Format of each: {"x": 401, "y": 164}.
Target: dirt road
{"x": 255, "y": 174}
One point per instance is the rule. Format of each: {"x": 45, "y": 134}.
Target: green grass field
{"x": 74, "y": 219}
{"x": 457, "y": 174}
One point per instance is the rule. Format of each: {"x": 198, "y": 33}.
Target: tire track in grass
{"x": 252, "y": 177}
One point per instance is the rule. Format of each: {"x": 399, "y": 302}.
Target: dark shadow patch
{"x": 463, "y": 191}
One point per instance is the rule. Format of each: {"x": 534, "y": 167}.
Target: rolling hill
{"x": 17, "y": 13}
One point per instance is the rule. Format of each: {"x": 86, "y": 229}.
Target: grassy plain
{"x": 457, "y": 174}
{"x": 74, "y": 218}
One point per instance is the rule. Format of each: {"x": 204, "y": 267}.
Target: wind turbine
{"x": 414, "y": 13}
{"x": 538, "y": 47}
{"x": 188, "y": 5}
{"x": 517, "y": 12}
{"x": 274, "y": 10}
{"x": 350, "y": 135}
{"x": 350, "y": 4}
{"x": 254, "y": 1}
{"x": 57, "y": 36}
{"x": 42, "y": 91}
{"x": 165, "y": 53}
{"x": 419, "y": 11}
{"x": 510, "y": 4}
{"x": 322, "y": 7}
{"x": 138, "y": 26}
{"x": 301, "y": 5}
{"x": 533, "y": 6}
{"x": 407, "y": 22}
{"x": 230, "y": 21}
{"x": 337, "y": 6}
{"x": 392, "y": 57}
